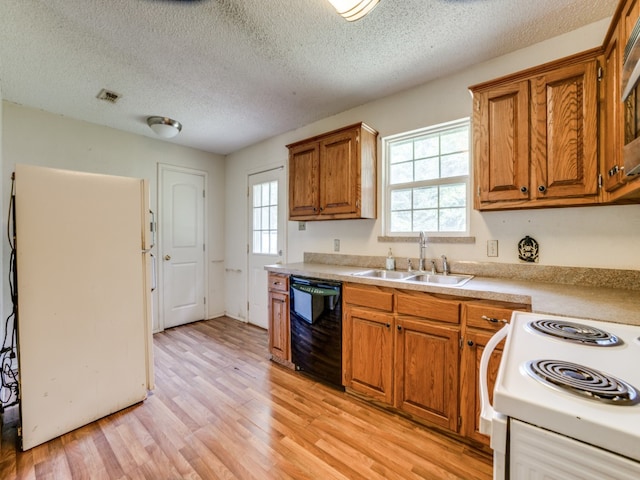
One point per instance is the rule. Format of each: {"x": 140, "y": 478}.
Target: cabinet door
{"x": 501, "y": 143}
{"x": 427, "y": 371}
{"x": 564, "y": 136}
{"x": 279, "y": 331}
{"x": 613, "y": 116}
{"x": 473, "y": 346}
{"x": 339, "y": 174}
{"x": 304, "y": 180}
{"x": 367, "y": 353}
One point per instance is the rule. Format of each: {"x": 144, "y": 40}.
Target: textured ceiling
{"x": 235, "y": 72}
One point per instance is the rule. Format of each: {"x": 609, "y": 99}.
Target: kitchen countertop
{"x": 597, "y": 303}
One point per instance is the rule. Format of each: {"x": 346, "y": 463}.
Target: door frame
{"x": 162, "y": 168}
{"x": 249, "y": 222}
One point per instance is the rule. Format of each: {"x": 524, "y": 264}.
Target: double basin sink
{"x": 451, "y": 280}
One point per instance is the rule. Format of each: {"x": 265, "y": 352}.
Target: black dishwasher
{"x": 316, "y": 328}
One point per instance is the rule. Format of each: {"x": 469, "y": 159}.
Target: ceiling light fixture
{"x": 353, "y": 10}
{"x": 164, "y": 127}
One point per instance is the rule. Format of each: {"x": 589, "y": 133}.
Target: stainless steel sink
{"x": 385, "y": 274}
{"x": 453, "y": 279}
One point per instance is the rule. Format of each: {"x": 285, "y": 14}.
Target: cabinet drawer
{"x": 366, "y": 296}
{"x": 490, "y": 316}
{"x": 278, "y": 282}
{"x": 426, "y": 306}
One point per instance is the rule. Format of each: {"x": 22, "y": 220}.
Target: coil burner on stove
{"x": 575, "y": 332}
{"x": 584, "y": 381}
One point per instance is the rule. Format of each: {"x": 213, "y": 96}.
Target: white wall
{"x": 588, "y": 236}
{"x": 40, "y": 138}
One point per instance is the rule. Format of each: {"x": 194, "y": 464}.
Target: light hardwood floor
{"x": 222, "y": 410}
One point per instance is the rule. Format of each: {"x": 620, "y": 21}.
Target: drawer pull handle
{"x": 493, "y": 320}
{"x": 277, "y": 283}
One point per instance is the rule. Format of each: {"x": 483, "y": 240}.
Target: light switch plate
{"x": 492, "y": 248}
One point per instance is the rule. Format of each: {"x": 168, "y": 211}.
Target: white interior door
{"x": 181, "y": 228}
{"x": 266, "y": 237}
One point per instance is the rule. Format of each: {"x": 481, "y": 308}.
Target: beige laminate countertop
{"x": 597, "y": 303}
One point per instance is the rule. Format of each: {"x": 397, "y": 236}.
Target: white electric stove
{"x": 566, "y": 399}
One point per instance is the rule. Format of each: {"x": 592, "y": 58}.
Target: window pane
{"x": 401, "y": 221}
{"x": 427, "y": 169}
{"x": 425, "y": 220}
{"x": 265, "y": 194}
{"x": 422, "y": 162}
{"x": 273, "y": 218}
{"x": 455, "y": 141}
{"x": 257, "y": 195}
{"x": 455, "y": 165}
{"x": 454, "y": 195}
{"x": 452, "y": 220}
{"x": 401, "y": 173}
{"x": 401, "y": 152}
{"x": 256, "y": 218}
{"x": 427, "y": 147}
{"x": 425, "y": 197}
{"x": 273, "y": 243}
{"x": 257, "y": 245}
{"x": 400, "y": 200}
{"x": 265, "y": 241}
{"x": 273, "y": 200}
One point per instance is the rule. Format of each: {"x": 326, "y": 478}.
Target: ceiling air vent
{"x": 108, "y": 96}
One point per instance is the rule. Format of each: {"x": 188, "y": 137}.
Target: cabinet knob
{"x": 399, "y": 328}
{"x": 470, "y": 343}
{"x": 167, "y": 257}
{"x": 542, "y": 188}
{"x": 614, "y": 170}
{"x": 493, "y": 320}
{"x": 388, "y": 325}
{"x": 524, "y": 189}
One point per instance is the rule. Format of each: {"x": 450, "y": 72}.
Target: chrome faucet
{"x": 445, "y": 265}
{"x": 422, "y": 244}
{"x": 409, "y": 265}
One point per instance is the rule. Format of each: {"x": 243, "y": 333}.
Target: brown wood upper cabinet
{"x": 619, "y": 187}
{"x": 535, "y": 136}
{"x": 333, "y": 176}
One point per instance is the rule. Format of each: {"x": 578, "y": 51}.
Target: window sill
{"x": 461, "y": 240}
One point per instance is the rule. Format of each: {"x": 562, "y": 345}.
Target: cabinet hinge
{"x": 247, "y": 306}
{"x": 600, "y": 180}
{"x": 460, "y": 343}
{"x": 459, "y": 422}
{"x": 600, "y": 73}
{"x": 478, "y": 191}
{"x": 205, "y": 300}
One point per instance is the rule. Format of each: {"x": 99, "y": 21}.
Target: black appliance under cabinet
{"x": 316, "y": 328}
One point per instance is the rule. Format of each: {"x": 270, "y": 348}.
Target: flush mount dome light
{"x": 353, "y": 10}
{"x": 164, "y": 127}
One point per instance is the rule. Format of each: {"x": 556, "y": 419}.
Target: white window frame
{"x": 387, "y": 188}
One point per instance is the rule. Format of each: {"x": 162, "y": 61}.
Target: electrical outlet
{"x": 492, "y": 248}
{"x": 336, "y": 245}
{"x": 302, "y": 225}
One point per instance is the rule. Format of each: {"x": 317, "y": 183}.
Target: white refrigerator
{"x": 83, "y": 266}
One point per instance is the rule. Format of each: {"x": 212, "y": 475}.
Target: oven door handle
{"x": 487, "y": 413}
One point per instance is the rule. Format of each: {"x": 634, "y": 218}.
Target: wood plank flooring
{"x": 222, "y": 410}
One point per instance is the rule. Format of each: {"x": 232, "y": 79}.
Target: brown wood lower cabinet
{"x": 426, "y": 373}
{"x": 279, "y": 328}
{"x": 367, "y": 352}
{"x": 419, "y": 353}
{"x": 481, "y": 319}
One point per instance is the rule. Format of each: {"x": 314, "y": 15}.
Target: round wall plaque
{"x": 528, "y": 249}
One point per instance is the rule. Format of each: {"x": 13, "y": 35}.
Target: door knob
{"x": 167, "y": 257}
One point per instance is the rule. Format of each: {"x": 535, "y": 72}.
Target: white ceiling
{"x": 235, "y": 72}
